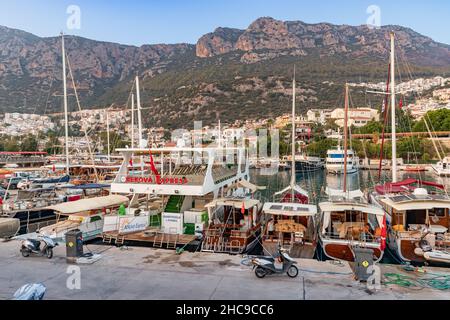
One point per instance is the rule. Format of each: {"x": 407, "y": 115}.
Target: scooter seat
{"x": 36, "y": 243}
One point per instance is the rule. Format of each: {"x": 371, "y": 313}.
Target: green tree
{"x": 29, "y": 143}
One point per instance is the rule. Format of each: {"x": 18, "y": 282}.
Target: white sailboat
{"x": 291, "y": 222}
{"x": 418, "y": 218}
{"x": 347, "y": 220}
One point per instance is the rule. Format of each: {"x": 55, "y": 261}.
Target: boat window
{"x": 416, "y": 217}
{"x": 96, "y": 218}
{"x": 440, "y": 212}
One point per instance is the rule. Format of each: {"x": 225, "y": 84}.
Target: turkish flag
{"x": 383, "y": 234}
{"x": 1, "y": 200}
{"x": 53, "y": 168}
{"x": 243, "y": 208}
{"x": 131, "y": 162}
{"x": 401, "y": 104}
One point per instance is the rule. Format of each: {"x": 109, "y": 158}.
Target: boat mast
{"x": 345, "y": 137}
{"x": 107, "y": 135}
{"x": 66, "y": 118}
{"x": 132, "y": 120}
{"x": 138, "y": 100}
{"x": 394, "y": 135}
{"x": 293, "y": 139}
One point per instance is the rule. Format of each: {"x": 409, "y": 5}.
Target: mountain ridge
{"x": 229, "y": 73}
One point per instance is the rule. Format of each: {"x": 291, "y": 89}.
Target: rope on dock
{"x": 438, "y": 281}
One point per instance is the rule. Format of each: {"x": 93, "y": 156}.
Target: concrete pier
{"x": 145, "y": 273}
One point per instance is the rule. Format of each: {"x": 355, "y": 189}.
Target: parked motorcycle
{"x": 43, "y": 246}
{"x": 267, "y": 265}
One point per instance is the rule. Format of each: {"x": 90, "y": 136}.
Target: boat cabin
{"x": 351, "y": 221}
{"x": 413, "y": 215}
{"x": 86, "y": 215}
{"x": 234, "y": 225}
{"x": 291, "y": 225}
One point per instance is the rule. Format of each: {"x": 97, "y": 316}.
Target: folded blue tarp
{"x": 30, "y": 291}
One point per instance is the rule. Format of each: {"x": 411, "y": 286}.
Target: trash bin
{"x": 74, "y": 245}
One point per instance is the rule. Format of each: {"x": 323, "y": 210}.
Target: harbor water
{"x": 316, "y": 183}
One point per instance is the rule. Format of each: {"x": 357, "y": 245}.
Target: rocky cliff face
{"x": 25, "y": 58}
{"x": 296, "y": 38}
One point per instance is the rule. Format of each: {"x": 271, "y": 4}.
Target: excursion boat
{"x": 234, "y": 226}
{"x": 188, "y": 182}
{"x": 268, "y": 167}
{"x": 418, "y": 220}
{"x": 348, "y": 221}
{"x": 335, "y": 162}
{"x": 307, "y": 164}
{"x": 442, "y": 168}
{"x": 290, "y": 221}
{"x": 86, "y": 215}
{"x": 414, "y": 169}
{"x": 30, "y": 206}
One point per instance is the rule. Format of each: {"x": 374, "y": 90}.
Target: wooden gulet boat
{"x": 417, "y": 220}
{"x": 291, "y": 222}
{"x": 348, "y": 221}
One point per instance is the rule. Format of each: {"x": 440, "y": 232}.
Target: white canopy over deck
{"x": 328, "y": 207}
{"x": 296, "y": 188}
{"x": 97, "y": 203}
{"x": 346, "y": 195}
{"x": 416, "y": 204}
{"x": 233, "y": 202}
{"x": 290, "y": 209}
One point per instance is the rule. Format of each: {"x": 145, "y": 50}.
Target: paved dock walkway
{"x": 145, "y": 273}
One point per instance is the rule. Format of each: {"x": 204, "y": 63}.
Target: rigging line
{"x": 409, "y": 126}
{"x": 426, "y": 123}
{"x": 410, "y": 73}
{"x": 79, "y": 108}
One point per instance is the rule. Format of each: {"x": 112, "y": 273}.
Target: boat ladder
{"x": 159, "y": 240}
{"x": 120, "y": 239}
{"x": 172, "y": 240}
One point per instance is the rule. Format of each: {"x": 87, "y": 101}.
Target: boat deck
{"x": 157, "y": 238}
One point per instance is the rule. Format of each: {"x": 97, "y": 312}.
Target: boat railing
{"x": 362, "y": 237}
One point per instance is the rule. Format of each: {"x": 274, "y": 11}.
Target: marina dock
{"x": 145, "y": 273}
{"x": 150, "y": 236}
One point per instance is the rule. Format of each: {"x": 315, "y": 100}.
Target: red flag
{"x": 131, "y": 162}
{"x": 401, "y": 103}
{"x": 153, "y": 168}
{"x": 1, "y": 200}
{"x": 243, "y": 208}
{"x": 383, "y": 234}
{"x": 53, "y": 168}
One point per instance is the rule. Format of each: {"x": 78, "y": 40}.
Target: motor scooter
{"x": 267, "y": 265}
{"x": 43, "y": 246}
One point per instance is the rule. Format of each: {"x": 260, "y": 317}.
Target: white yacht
{"x": 335, "y": 161}
{"x": 442, "y": 168}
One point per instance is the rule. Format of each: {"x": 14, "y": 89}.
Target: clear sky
{"x": 140, "y": 22}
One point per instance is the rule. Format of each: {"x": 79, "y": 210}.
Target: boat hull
{"x": 343, "y": 250}
{"x": 32, "y": 220}
{"x": 306, "y": 166}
